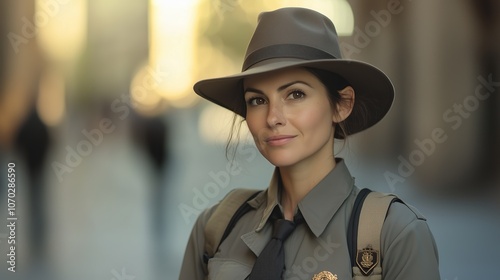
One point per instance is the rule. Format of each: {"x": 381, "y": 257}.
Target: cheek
{"x": 318, "y": 117}
{"x": 252, "y": 121}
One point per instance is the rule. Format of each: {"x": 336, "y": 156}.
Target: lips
{"x": 279, "y": 140}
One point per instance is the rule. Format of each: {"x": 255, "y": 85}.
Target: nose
{"x": 275, "y": 116}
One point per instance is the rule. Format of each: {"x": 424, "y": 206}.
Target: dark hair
{"x": 238, "y": 105}
{"x": 333, "y": 83}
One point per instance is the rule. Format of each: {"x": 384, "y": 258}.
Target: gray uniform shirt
{"x": 320, "y": 244}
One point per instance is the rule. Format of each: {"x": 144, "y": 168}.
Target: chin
{"x": 282, "y": 159}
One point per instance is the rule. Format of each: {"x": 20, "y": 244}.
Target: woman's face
{"x": 290, "y": 117}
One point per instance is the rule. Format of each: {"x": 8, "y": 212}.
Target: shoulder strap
{"x": 224, "y": 218}
{"x": 366, "y": 222}
{"x": 352, "y": 228}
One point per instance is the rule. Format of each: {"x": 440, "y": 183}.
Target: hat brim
{"x": 373, "y": 89}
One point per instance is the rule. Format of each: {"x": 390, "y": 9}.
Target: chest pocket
{"x": 227, "y": 269}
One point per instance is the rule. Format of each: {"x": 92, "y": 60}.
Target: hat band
{"x": 285, "y": 50}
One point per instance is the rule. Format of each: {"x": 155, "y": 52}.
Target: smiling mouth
{"x": 279, "y": 140}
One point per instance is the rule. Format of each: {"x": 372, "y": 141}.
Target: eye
{"x": 254, "y": 101}
{"x": 296, "y": 94}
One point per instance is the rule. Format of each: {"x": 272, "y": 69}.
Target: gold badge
{"x": 367, "y": 259}
{"x": 325, "y": 275}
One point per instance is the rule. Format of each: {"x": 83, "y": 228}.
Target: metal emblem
{"x": 367, "y": 259}
{"x": 325, "y": 275}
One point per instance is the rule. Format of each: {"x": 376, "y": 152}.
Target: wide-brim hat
{"x": 299, "y": 37}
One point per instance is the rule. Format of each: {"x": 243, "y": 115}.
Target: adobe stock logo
{"x": 48, "y": 9}
{"x": 220, "y": 180}
{"x": 454, "y": 116}
{"x": 122, "y": 275}
{"x": 309, "y": 265}
{"x": 372, "y": 29}
{"x": 224, "y": 6}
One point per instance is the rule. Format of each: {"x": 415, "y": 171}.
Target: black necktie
{"x": 271, "y": 262}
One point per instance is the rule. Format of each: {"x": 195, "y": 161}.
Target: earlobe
{"x": 345, "y": 105}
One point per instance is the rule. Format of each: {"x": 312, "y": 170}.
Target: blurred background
{"x": 115, "y": 156}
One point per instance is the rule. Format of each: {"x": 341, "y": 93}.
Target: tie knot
{"x": 282, "y": 229}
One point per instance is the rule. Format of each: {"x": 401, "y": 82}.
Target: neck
{"x": 299, "y": 179}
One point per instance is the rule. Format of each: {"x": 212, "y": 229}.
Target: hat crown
{"x": 292, "y": 33}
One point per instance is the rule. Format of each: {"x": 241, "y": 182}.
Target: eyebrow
{"x": 281, "y": 88}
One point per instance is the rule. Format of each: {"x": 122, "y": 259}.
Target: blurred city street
{"x": 99, "y": 217}
{"x": 115, "y": 156}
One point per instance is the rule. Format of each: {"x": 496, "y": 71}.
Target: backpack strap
{"x": 367, "y": 220}
{"x": 224, "y": 218}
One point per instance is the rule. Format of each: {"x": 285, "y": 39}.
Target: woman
{"x": 297, "y": 94}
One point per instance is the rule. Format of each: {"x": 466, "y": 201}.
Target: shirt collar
{"x": 271, "y": 195}
{"x": 319, "y": 205}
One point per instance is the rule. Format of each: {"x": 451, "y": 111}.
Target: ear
{"x": 344, "y": 107}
